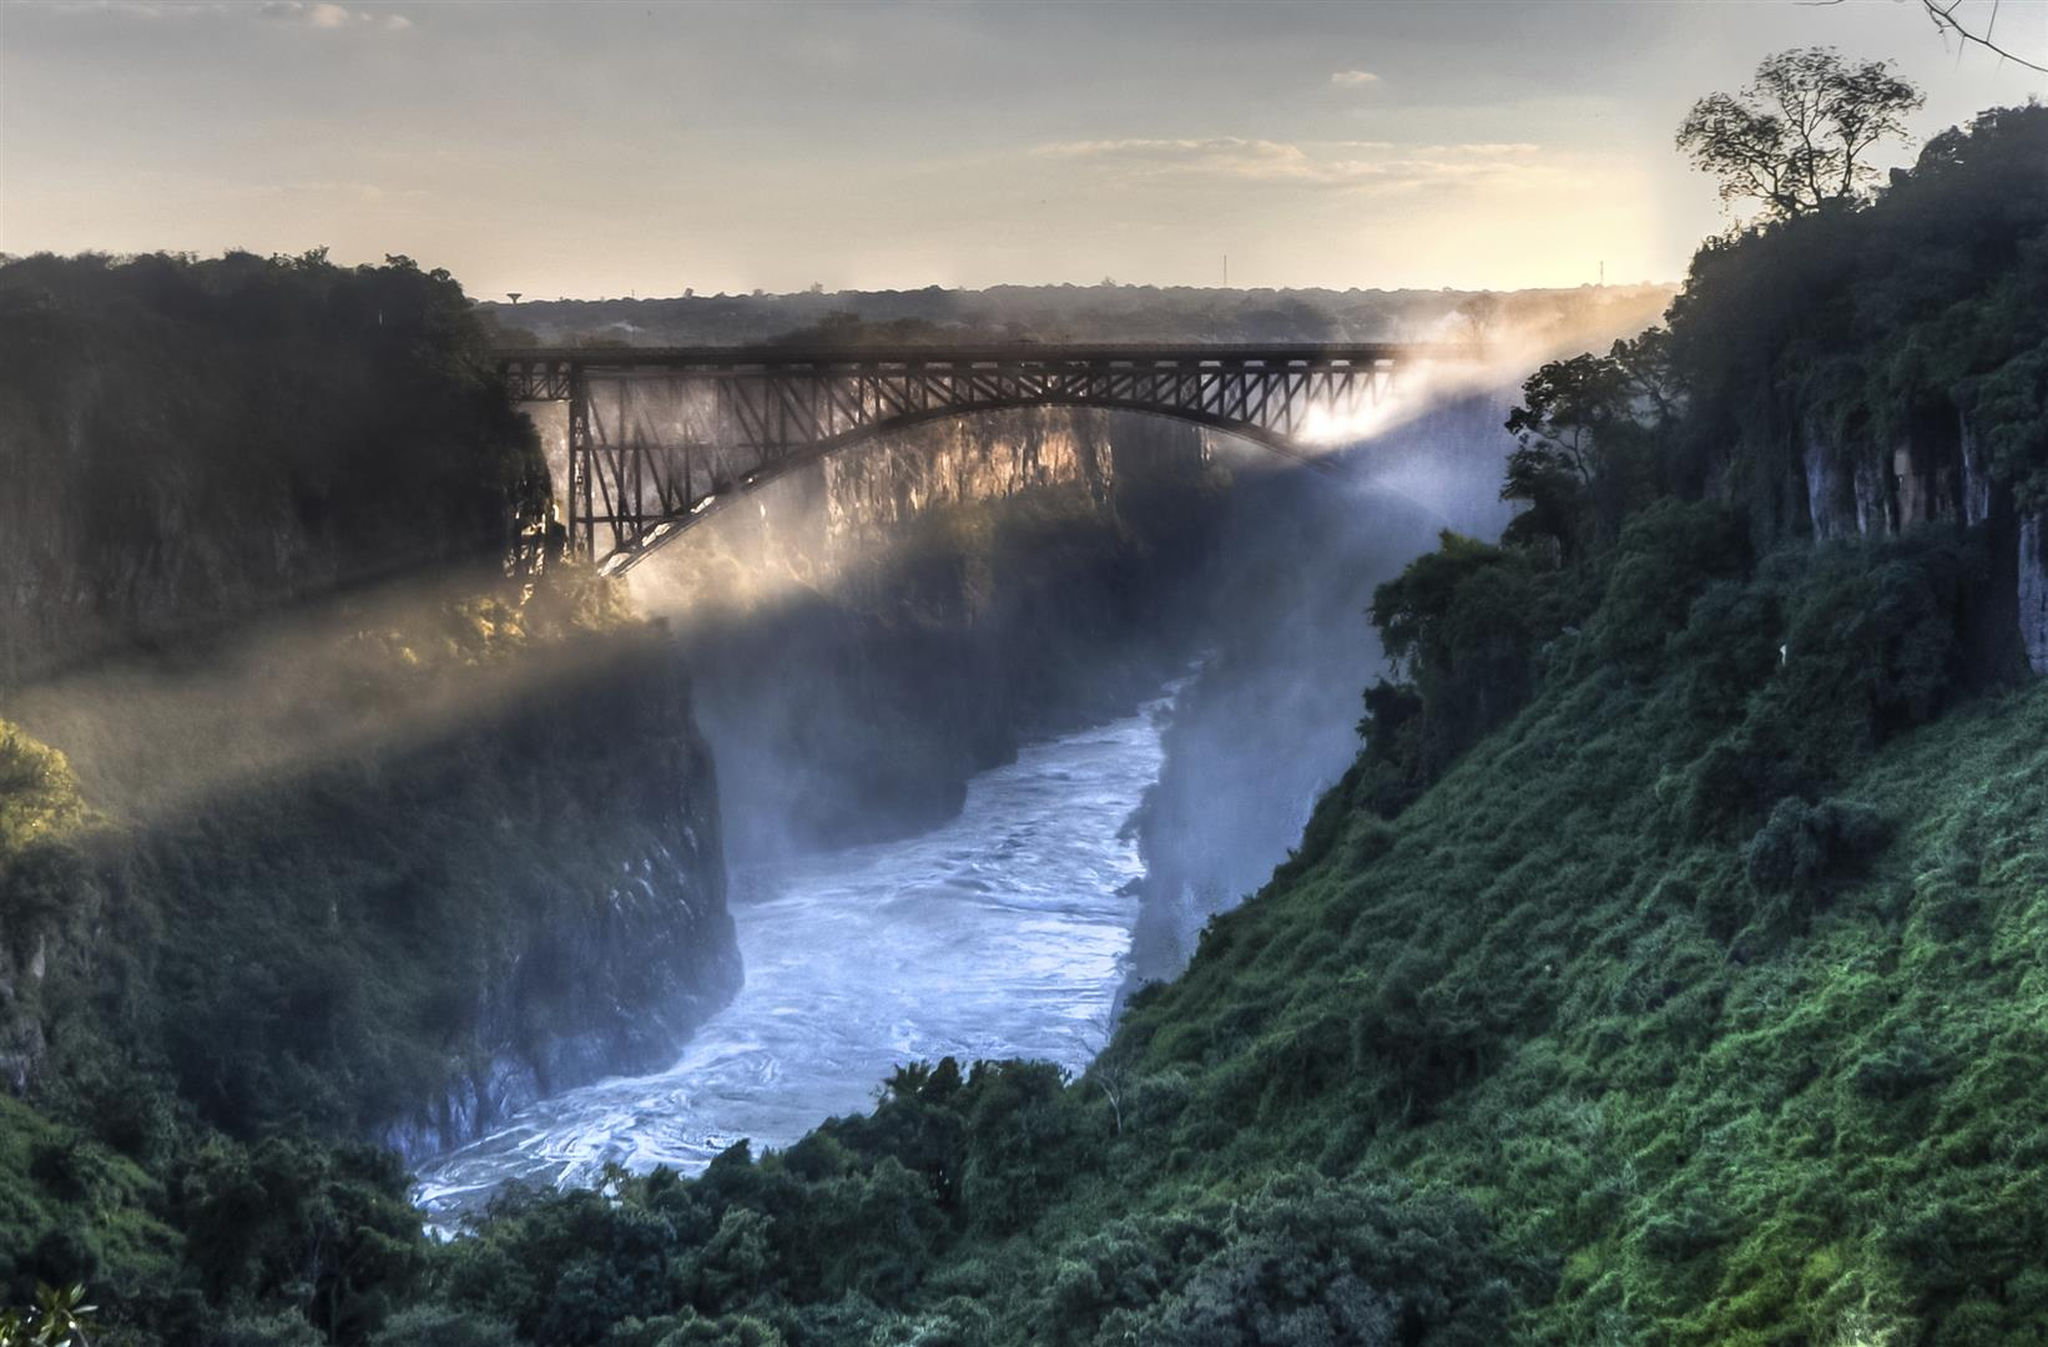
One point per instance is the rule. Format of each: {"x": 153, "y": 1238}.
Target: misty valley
{"x": 1497, "y": 806}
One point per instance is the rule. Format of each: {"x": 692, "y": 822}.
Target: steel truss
{"x": 659, "y": 438}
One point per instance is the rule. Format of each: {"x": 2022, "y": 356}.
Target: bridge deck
{"x": 1266, "y": 354}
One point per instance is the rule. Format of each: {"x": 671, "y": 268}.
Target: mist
{"x": 1270, "y": 719}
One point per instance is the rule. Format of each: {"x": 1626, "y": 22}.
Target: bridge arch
{"x": 660, "y": 439}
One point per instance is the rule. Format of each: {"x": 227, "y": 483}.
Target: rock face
{"x": 618, "y": 945}
{"x": 992, "y": 456}
{"x": 22, "y": 1042}
{"x": 1935, "y": 470}
{"x": 407, "y": 935}
{"x": 587, "y": 995}
{"x": 2033, "y": 594}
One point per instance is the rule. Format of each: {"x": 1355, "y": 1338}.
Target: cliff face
{"x": 192, "y": 444}
{"x": 40, "y": 810}
{"x": 869, "y": 494}
{"x": 1934, "y": 470}
{"x": 608, "y": 940}
{"x": 500, "y": 882}
{"x": 1861, "y": 373}
{"x": 386, "y": 844}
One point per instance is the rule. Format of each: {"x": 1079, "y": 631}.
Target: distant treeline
{"x": 1084, "y": 313}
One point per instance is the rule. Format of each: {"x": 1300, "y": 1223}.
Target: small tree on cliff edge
{"x": 1796, "y": 138}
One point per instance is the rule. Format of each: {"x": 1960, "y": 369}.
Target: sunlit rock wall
{"x": 992, "y": 456}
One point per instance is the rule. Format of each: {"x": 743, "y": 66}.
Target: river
{"x": 1004, "y": 933}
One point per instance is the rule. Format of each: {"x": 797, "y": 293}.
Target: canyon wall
{"x": 314, "y": 814}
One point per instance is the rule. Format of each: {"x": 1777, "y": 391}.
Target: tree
{"x": 1562, "y": 428}
{"x": 1585, "y": 432}
{"x": 1798, "y": 136}
{"x": 1481, "y": 313}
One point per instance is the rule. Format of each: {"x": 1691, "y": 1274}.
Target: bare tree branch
{"x": 1945, "y": 16}
{"x": 1945, "y": 21}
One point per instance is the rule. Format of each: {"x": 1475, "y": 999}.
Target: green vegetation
{"x": 1668, "y": 968}
{"x": 59, "y": 1318}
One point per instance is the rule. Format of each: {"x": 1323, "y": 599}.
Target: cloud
{"x": 1491, "y": 148}
{"x": 322, "y": 14}
{"x": 136, "y": 9}
{"x": 368, "y": 193}
{"x": 1235, "y": 152}
{"x": 1372, "y": 166}
{"x": 1354, "y": 79}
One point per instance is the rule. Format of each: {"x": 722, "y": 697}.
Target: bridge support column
{"x": 582, "y": 520}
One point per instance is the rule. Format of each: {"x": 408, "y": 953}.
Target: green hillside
{"x": 1668, "y": 969}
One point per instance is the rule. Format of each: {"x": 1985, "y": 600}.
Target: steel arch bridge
{"x": 661, "y": 437}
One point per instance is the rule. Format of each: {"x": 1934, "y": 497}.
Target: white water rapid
{"x": 1002, "y": 934}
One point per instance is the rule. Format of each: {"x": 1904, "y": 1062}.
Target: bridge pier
{"x": 581, "y": 517}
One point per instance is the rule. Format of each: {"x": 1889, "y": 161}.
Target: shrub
{"x": 1805, "y": 849}
{"x": 440, "y": 1326}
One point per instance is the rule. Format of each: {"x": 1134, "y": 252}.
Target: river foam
{"x": 1003, "y": 934}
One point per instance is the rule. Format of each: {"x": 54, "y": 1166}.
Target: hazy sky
{"x": 606, "y": 149}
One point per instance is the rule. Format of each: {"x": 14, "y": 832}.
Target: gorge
{"x": 986, "y": 826}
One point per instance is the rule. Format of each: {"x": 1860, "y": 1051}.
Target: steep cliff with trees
{"x": 194, "y": 443}
{"x": 319, "y": 828}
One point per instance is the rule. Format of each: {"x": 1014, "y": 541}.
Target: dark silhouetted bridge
{"x": 661, "y": 437}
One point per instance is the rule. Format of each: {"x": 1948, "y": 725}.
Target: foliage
{"x": 1798, "y": 136}
{"x": 59, "y": 1318}
{"x": 222, "y": 435}
{"x": 1462, "y": 621}
{"x": 1585, "y": 441}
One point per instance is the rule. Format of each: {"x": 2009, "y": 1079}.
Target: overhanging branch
{"x": 1945, "y": 15}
